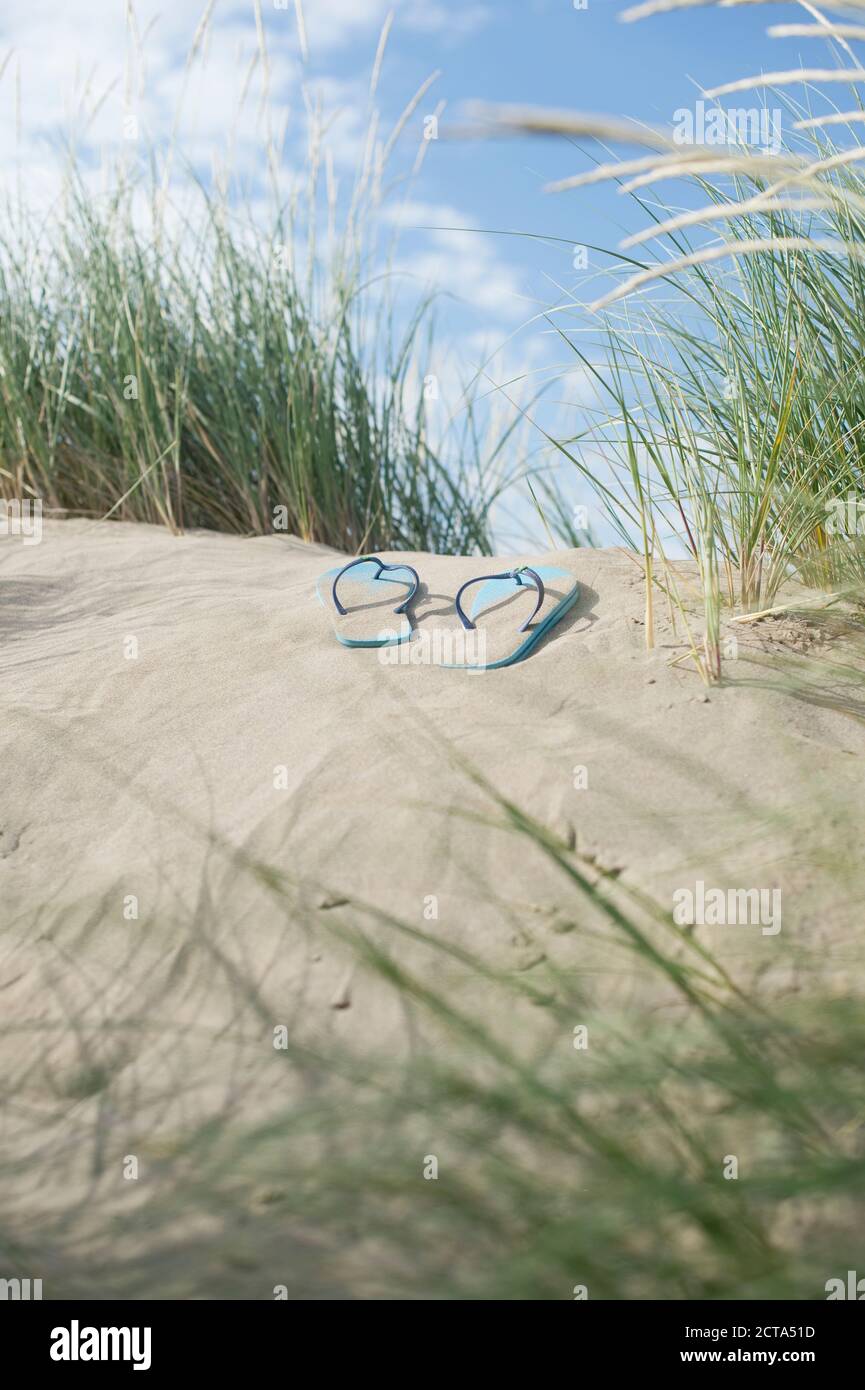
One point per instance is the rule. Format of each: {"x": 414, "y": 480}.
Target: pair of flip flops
{"x": 517, "y": 608}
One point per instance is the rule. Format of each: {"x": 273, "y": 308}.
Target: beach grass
{"x": 724, "y": 342}
{"x": 200, "y": 353}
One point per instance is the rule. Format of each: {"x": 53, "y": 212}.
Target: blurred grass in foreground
{"x": 559, "y": 1166}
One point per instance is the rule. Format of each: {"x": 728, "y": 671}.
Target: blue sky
{"x": 544, "y": 52}
{"x": 84, "y": 67}
{"x": 538, "y": 52}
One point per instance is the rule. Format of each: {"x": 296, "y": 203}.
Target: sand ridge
{"x": 170, "y": 703}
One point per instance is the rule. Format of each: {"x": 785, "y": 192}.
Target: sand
{"x": 177, "y": 715}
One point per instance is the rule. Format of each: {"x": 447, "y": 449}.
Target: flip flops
{"x": 360, "y": 598}
{"x": 510, "y": 613}
{"x": 507, "y": 615}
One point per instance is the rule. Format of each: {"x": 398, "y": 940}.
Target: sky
{"x": 104, "y": 73}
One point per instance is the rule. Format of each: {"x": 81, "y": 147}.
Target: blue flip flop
{"x": 363, "y": 610}
{"x": 539, "y": 595}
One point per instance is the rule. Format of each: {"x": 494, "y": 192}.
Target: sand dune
{"x": 178, "y": 721}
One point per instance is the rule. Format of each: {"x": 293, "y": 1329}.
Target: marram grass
{"x": 729, "y": 422}
{"x": 197, "y": 384}
{"x": 175, "y": 352}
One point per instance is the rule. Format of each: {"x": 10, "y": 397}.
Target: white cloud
{"x": 456, "y": 260}
{"x": 336, "y": 23}
{"x": 454, "y": 23}
{"x": 76, "y": 71}
{"x": 79, "y": 70}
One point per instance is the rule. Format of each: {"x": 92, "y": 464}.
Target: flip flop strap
{"x": 374, "y": 560}
{"x": 509, "y": 574}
